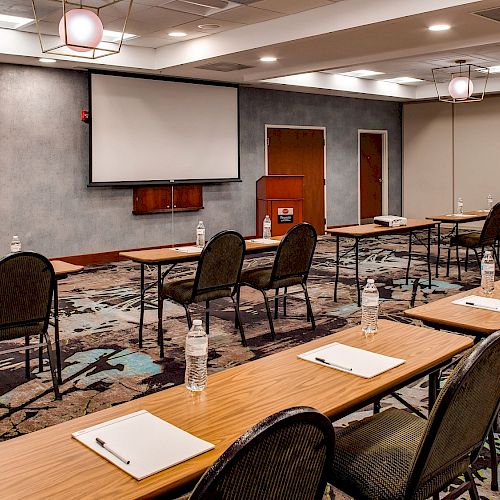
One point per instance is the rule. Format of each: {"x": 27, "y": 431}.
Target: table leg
{"x": 458, "y": 256}
{"x": 337, "y": 265}
{"x": 438, "y": 249}
{"x": 160, "y": 312}
{"x": 56, "y": 334}
{"x": 356, "y": 246}
{"x": 141, "y": 318}
{"x": 410, "y": 240}
{"x": 429, "y": 256}
{"x": 433, "y": 388}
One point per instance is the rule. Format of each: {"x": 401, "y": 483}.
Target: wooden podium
{"x": 282, "y": 198}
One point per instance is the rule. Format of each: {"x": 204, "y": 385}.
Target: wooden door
{"x": 301, "y": 152}
{"x": 370, "y": 164}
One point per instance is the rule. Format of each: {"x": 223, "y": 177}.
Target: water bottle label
{"x": 200, "y": 232}
{"x": 488, "y": 268}
{"x": 370, "y": 301}
{"x": 196, "y": 350}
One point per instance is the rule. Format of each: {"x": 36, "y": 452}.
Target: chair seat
{"x": 260, "y": 279}
{"x": 181, "y": 291}
{"x": 469, "y": 240}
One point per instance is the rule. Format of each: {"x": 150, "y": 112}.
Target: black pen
{"x": 102, "y": 443}
{"x": 340, "y": 367}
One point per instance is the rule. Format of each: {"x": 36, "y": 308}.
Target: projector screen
{"x": 153, "y": 131}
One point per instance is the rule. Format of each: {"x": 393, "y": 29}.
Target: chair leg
{"x": 478, "y": 260}
{"x": 269, "y": 315}
{"x": 40, "y": 355}
{"x": 188, "y": 316}
{"x": 237, "y": 315}
{"x": 448, "y": 262}
{"x": 276, "y": 302}
{"x": 466, "y": 258}
{"x": 309, "y": 308}
{"x": 52, "y": 366}
{"x": 435, "y": 496}
{"x": 474, "y": 495}
{"x": 160, "y": 326}
{"x": 240, "y": 324}
{"x": 284, "y": 302}
{"x": 207, "y": 316}
{"x": 493, "y": 460}
{"x": 27, "y": 369}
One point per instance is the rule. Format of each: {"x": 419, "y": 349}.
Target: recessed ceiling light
{"x": 116, "y": 36}
{"x": 268, "y": 59}
{"x": 177, "y": 34}
{"x": 404, "y": 79}
{"x": 362, "y": 73}
{"x": 14, "y": 22}
{"x": 46, "y": 60}
{"x": 439, "y": 27}
{"x": 209, "y": 26}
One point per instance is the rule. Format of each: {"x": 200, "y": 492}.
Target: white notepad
{"x": 264, "y": 241}
{"x": 479, "y": 302}
{"x": 150, "y": 443}
{"x": 349, "y": 359}
{"x": 458, "y": 215}
{"x": 188, "y": 249}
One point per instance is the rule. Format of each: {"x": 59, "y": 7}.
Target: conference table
{"x": 50, "y": 464}
{"x": 456, "y": 220}
{"x": 62, "y": 270}
{"x": 365, "y": 231}
{"x": 170, "y": 257}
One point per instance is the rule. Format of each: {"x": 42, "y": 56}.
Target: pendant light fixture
{"x": 455, "y": 83}
{"x": 81, "y": 30}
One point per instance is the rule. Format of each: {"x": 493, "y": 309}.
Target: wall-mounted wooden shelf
{"x": 158, "y": 200}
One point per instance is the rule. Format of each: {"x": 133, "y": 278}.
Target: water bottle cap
{"x": 197, "y": 322}
{"x": 370, "y": 281}
{"x": 201, "y": 222}
{"x": 487, "y": 252}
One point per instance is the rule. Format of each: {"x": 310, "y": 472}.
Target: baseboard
{"x": 113, "y": 256}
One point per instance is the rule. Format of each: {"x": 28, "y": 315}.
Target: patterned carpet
{"x": 103, "y": 365}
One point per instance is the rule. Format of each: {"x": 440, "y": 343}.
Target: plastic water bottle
{"x": 490, "y": 202}
{"x": 200, "y": 234}
{"x": 460, "y": 206}
{"x": 266, "y": 230}
{"x": 488, "y": 274}
{"x": 196, "y": 357}
{"x": 15, "y": 244}
{"x": 369, "y": 308}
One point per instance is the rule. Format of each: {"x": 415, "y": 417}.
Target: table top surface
{"x": 166, "y": 255}
{"x": 367, "y": 230}
{"x": 62, "y": 268}
{"x": 50, "y": 464}
{"x": 443, "y": 312}
{"x": 472, "y": 216}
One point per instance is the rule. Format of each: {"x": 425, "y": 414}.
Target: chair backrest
{"x": 287, "y": 455}
{"x": 220, "y": 263}
{"x": 27, "y": 282}
{"x": 295, "y": 253}
{"x": 462, "y": 416}
{"x": 491, "y": 228}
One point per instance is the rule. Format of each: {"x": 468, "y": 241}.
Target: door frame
{"x": 385, "y": 169}
{"x": 301, "y": 127}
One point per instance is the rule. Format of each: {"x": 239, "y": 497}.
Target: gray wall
{"x": 44, "y": 166}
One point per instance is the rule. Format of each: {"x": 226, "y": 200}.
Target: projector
{"x": 390, "y": 220}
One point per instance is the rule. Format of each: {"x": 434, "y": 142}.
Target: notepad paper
{"x": 349, "y": 359}
{"x": 264, "y": 241}
{"x": 150, "y": 443}
{"x": 459, "y": 215}
{"x": 188, "y": 249}
{"x": 479, "y": 302}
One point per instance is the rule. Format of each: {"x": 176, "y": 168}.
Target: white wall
{"x": 450, "y": 151}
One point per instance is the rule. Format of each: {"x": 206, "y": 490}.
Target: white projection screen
{"x": 152, "y": 131}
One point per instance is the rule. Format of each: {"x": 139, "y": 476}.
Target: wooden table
{"x": 50, "y": 464}
{"x": 456, "y": 220}
{"x": 171, "y": 257}
{"x": 62, "y": 270}
{"x": 359, "y": 232}
{"x": 470, "y": 320}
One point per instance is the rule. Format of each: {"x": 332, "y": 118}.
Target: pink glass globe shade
{"x": 83, "y": 27}
{"x": 461, "y": 88}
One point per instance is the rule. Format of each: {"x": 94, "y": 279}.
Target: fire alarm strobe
{"x": 84, "y": 115}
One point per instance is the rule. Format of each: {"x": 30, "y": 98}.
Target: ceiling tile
{"x": 222, "y": 26}
{"x": 246, "y": 15}
{"x": 290, "y": 6}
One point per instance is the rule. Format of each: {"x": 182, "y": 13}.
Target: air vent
{"x": 492, "y": 14}
{"x": 225, "y": 67}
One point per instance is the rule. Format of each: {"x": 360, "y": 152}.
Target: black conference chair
{"x": 396, "y": 455}
{"x": 27, "y": 282}
{"x": 488, "y": 237}
{"x": 286, "y": 456}
{"x": 217, "y": 276}
{"x": 291, "y": 267}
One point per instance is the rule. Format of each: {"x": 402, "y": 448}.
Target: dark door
{"x": 370, "y": 155}
{"x": 301, "y": 152}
